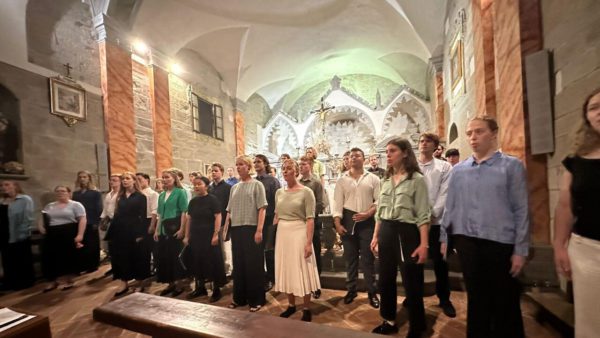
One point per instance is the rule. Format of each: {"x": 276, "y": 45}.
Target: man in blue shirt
{"x": 231, "y": 180}
{"x": 487, "y": 215}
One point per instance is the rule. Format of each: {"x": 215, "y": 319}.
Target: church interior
{"x": 115, "y": 86}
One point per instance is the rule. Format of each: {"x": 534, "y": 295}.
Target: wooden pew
{"x": 162, "y": 317}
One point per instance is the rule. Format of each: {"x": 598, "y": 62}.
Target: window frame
{"x": 217, "y": 117}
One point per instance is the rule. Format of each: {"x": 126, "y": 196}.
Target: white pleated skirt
{"x": 294, "y": 274}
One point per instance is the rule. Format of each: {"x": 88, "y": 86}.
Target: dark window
{"x": 453, "y": 132}
{"x": 207, "y": 118}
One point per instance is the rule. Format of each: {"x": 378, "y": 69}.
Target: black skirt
{"x": 168, "y": 266}
{"x": 60, "y": 256}
{"x": 207, "y": 260}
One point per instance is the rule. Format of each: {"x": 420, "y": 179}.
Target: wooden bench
{"x": 38, "y": 327}
{"x": 172, "y": 318}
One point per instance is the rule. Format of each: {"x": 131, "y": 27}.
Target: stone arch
{"x": 279, "y": 137}
{"x": 345, "y": 126}
{"x": 453, "y": 133}
{"x": 10, "y": 133}
{"x": 406, "y": 117}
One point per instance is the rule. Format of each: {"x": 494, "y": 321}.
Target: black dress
{"x": 208, "y": 262}
{"x": 127, "y": 226}
{"x": 17, "y": 259}
{"x": 585, "y": 189}
{"x": 92, "y": 202}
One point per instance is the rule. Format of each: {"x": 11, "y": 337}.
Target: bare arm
{"x": 310, "y": 228}
{"x": 563, "y": 225}
{"x": 215, "y": 239}
{"x": 421, "y": 251}
{"x": 82, "y": 221}
{"x": 259, "y": 227}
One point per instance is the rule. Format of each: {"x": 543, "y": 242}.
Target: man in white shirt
{"x": 356, "y": 193}
{"x": 145, "y": 261}
{"x": 436, "y": 174}
{"x": 108, "y": 212}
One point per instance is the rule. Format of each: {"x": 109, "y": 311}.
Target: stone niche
{"x": 11, "y": 157}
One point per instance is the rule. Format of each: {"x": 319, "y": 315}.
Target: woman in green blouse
{"x": 172, "y": 214}
{"x": 401, "y": 236}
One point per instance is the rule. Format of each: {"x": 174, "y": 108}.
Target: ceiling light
{"x": 176, "y": 68}
{"x": 140, "y": 47}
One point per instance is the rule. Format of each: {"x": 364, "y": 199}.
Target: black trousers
{"x": 60, "y": 256}
{"x": 91, "y": 248}
{"x": 357, "y": 248}
{"x": 317, "y": 243}
{"x": 268, "y": 243}
{"x": 248, "y": 268}
{"x": 440, "y": 266}
{"x": 144, "y": 254}
{"x": 493, "y": 308}
{"x": 17, "y": 262}
{"x": 397, "y": 241}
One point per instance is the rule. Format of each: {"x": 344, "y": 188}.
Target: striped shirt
{"x": 245, "y": 199}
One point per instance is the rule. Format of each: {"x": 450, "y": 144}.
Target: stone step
{"x": 554, "y": 309}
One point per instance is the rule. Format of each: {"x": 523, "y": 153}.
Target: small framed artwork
{"x": 456, "y": 61}
{"x": 67, "y": 100}
{"x": 207, "y": 169}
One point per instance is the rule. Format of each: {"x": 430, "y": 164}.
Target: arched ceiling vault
{"x": 271, "y": 47}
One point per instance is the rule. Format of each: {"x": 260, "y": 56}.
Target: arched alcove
{"x": 453, "y": 133}
{"x": 10, "y": 133}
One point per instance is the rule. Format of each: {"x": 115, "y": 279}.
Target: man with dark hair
{"x": 356, "y": 193}
{"x": 436, "y": 173}
{"x": 221, "y": 190}
{"x": 308, "y": 179}
{"x": 439, "y": 150}
{"x": 452, "y": 156}
{"x": 374, "y": 168}
{"x": 271, "y": 184}
{"x": 487, "y": 214}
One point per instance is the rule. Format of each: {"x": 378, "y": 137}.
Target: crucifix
{"x": 322, "y": 111}
{"x": 68, "y": 68}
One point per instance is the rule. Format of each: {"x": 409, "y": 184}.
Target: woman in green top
{"x": 401, "y": 236}
{"x": 172, "y": 215}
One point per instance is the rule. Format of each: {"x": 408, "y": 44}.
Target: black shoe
{"x": 448, "y": 309}
{"x": 216, "y": 295}
{"x": 306, "y": 316}
{"x": 197, "y": 293}
{"x": 167, "y": 290}
{"x": 414, "y": 334}
{"x": 373, "y": 300}
{"x": 108, "y": 273}
{"x": 268, "y": 286}
{"x": 405, "y": 302}
{"x": 176, "y": 292}
{"x": 317, "y": 294}
{"x": 386, "y": 328}
{"x": 120, "y": 293}
{"x": 349, "y": 297}
{"x": 288, "y": 312}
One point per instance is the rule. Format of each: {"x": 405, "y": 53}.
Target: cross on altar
{"x": 322, "y": 111}
{"x": 68, "y": 68}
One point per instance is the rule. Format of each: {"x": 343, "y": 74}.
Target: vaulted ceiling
{"x": 270, "y": 47}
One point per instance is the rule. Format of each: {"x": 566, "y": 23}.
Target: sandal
{"x": 255, "y": 308}
{"x": 233, "y": 305}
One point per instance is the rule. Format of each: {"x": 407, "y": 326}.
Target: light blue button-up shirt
{"x": 488, "y": 200}
{"x": 20, "y": 218}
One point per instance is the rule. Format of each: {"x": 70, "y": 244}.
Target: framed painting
{"x": 456, "y": 61}
{"x": 67, "y": 100}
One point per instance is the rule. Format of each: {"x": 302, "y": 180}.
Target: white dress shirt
{"x": 436, "y": 173}
{"x": 355, "y": 195}
{"x": 110, "y": 203}
{"x": 152, "y": 198}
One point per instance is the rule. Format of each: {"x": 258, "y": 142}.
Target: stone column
{"x": 161, "y": 118}
{"x": 240, "y": 141}
{"x": 537, "y": 172}
{"x": 483, "y": 45}
{"x": 117, "y": 95}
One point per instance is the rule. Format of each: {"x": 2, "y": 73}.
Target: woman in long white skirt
{"x": 295, "y": 264}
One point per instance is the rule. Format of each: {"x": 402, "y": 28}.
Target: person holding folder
{"x": 356, "y": 193}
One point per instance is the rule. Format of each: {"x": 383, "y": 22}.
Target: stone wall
{"x": 192, "y": 150}
{"x": 572, "y": 33}
{"x": 459, "y": 104}
{"x": 52, "y": 151}
{"x": 143, "y": 119}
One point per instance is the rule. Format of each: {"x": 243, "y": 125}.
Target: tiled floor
{"x": 71, "y": 311}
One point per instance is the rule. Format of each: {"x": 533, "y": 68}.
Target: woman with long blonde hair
{"x": 577, "y": 234}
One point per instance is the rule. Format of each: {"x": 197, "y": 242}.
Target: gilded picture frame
{"x": 68, "y": 100}
{"x": 456, "y": 61}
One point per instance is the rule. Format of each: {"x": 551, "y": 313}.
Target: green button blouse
{"x": 406, "y": 202}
